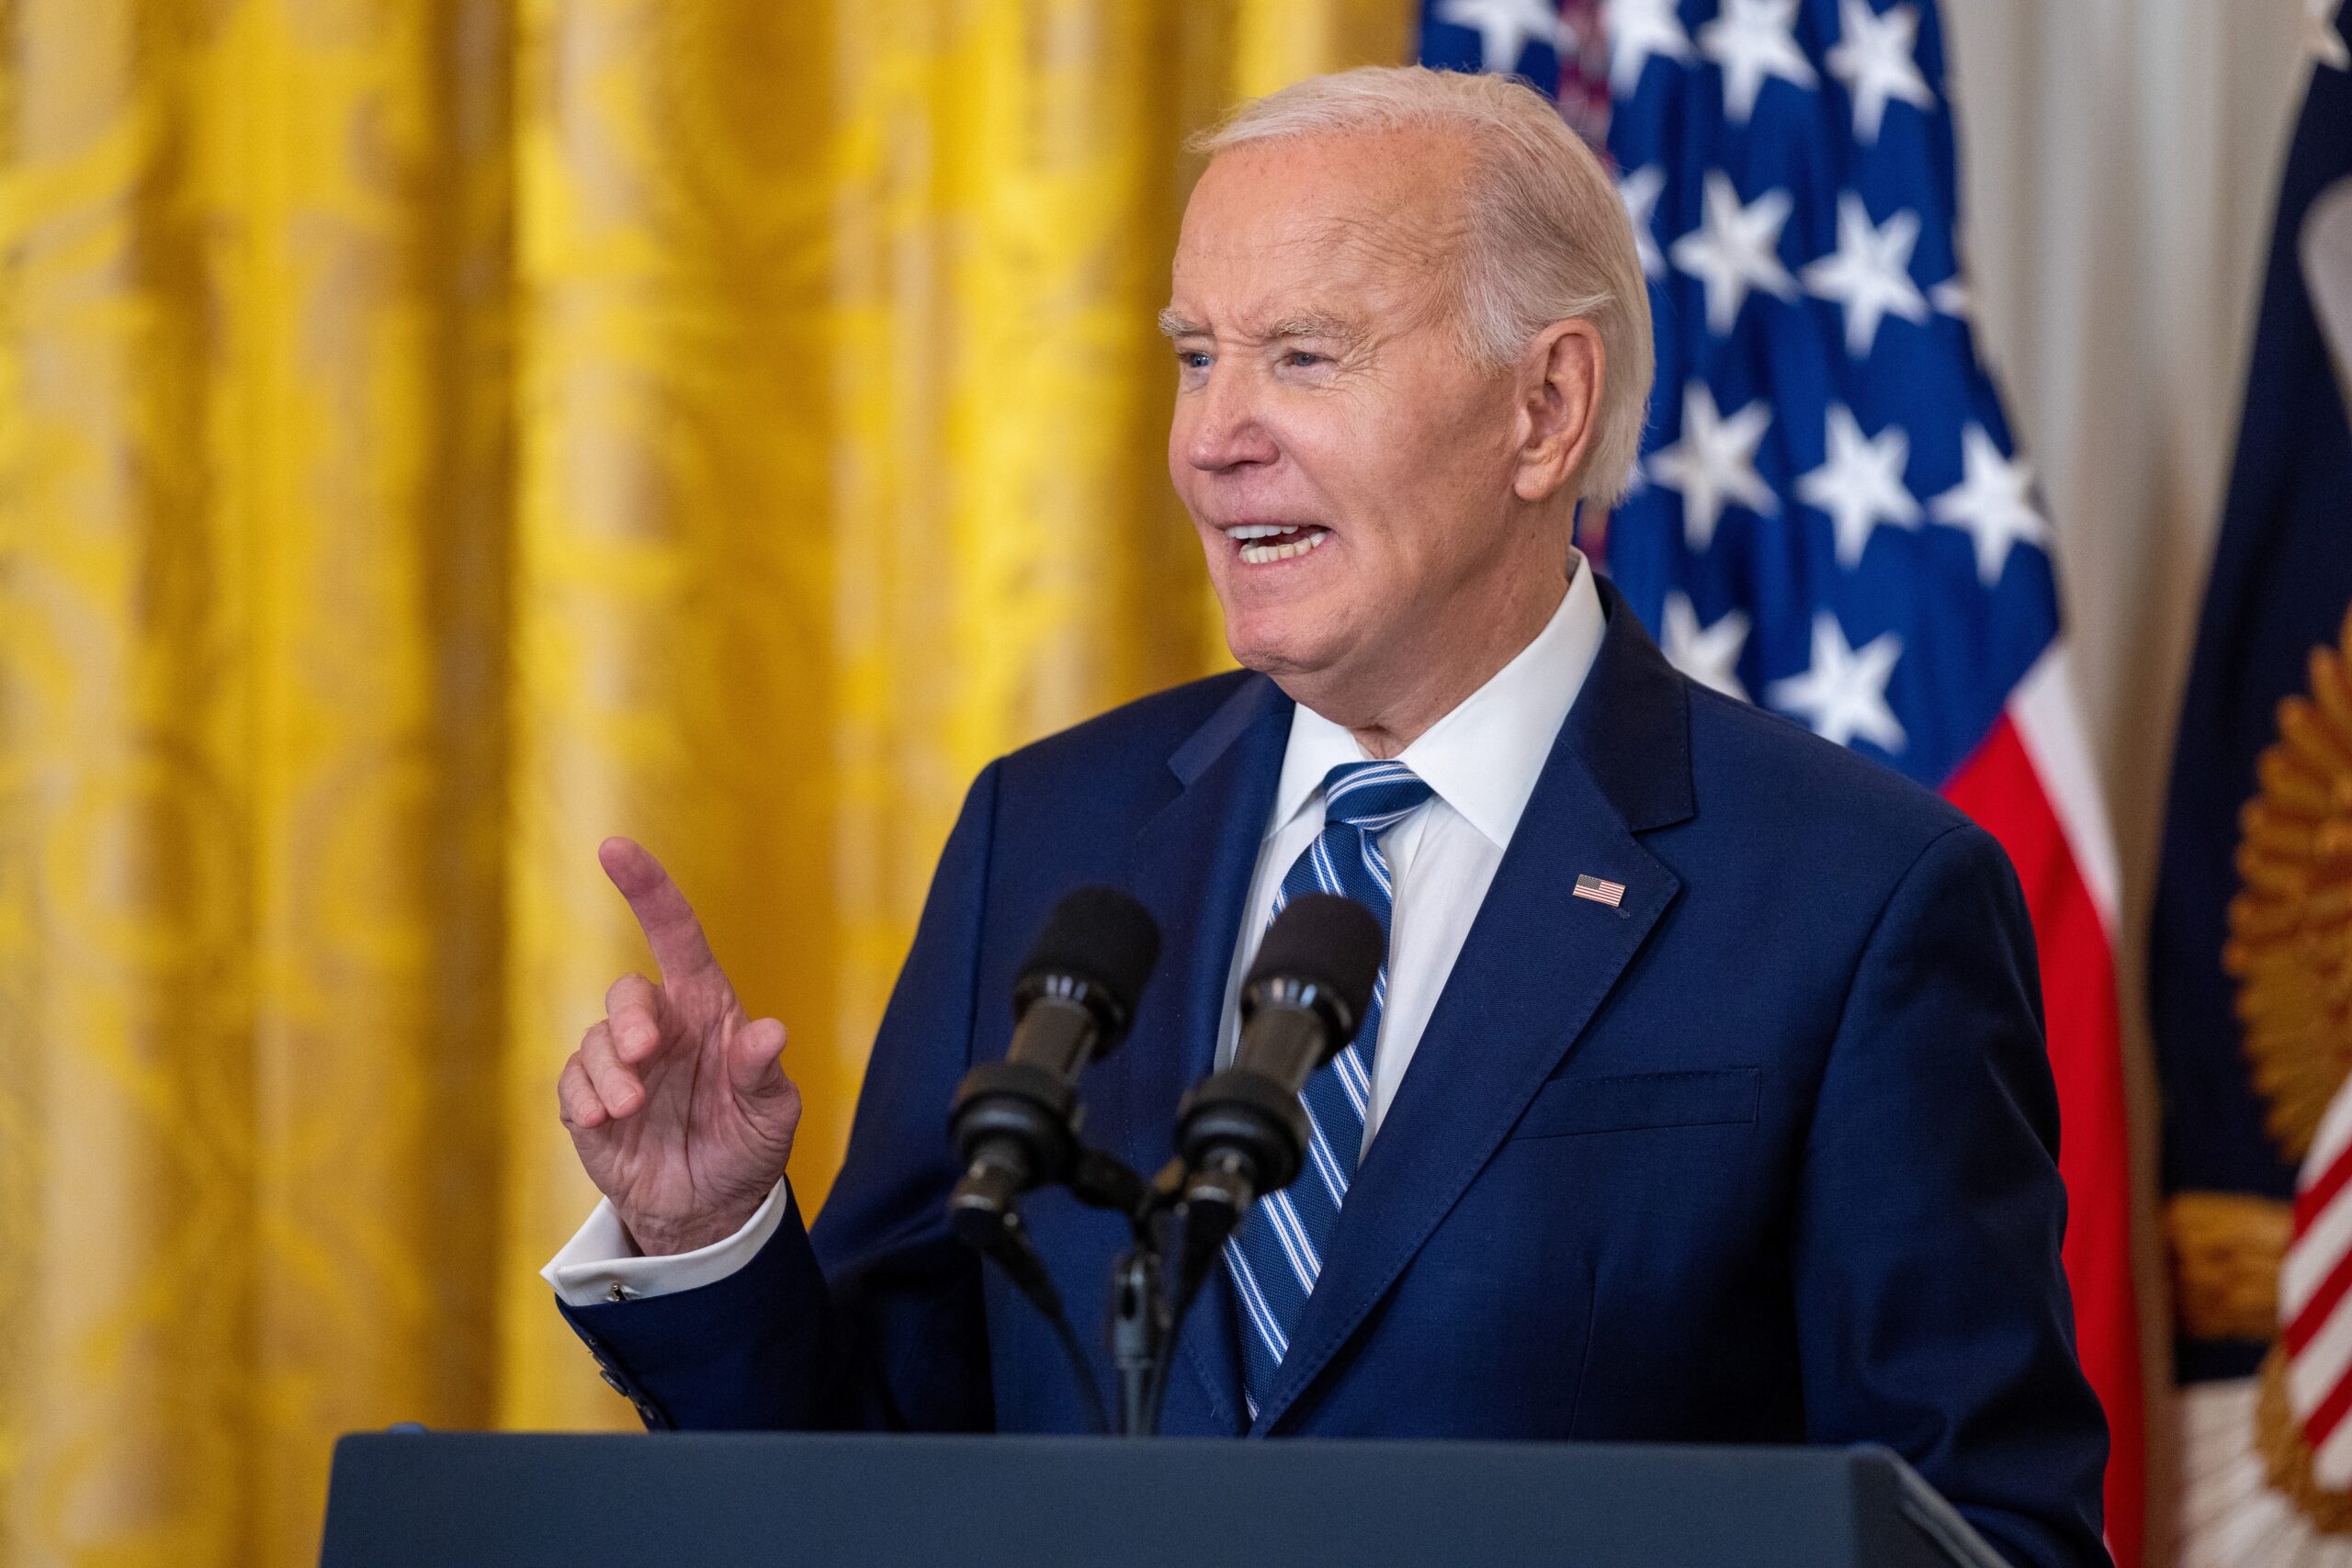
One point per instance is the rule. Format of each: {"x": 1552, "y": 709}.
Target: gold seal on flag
{"x": 2291, "y": 925}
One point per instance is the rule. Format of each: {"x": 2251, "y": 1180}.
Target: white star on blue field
{"x": 1829, "y": 517}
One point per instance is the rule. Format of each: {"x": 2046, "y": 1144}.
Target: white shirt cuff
{"x": 600, "y": 1265}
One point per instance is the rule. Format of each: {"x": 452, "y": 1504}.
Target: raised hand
{"x": 677, "y": 1102}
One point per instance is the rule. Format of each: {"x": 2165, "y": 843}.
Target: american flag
{"x": 1600, "y": 890}
{"x": 1832, "y": 518}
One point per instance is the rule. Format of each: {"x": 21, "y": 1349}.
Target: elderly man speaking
{"x": 1704, "y": 1098}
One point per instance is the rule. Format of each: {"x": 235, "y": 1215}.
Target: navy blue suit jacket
{"x": 1765, "y": 1155}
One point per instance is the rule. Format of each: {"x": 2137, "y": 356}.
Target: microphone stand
{"x": 1142, "y": 1323}
{"x": 1144, "y": 1316}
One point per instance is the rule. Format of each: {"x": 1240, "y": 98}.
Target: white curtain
{"x": 2120, "y": 164}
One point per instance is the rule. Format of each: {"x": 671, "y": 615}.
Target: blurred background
{"x": 437, "y": 434}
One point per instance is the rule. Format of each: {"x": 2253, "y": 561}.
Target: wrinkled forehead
{"x": 1375, "y": 218}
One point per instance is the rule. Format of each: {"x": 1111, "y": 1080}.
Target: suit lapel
{"x": 1191, "y": 866}
{"x": 1535, "y": 966}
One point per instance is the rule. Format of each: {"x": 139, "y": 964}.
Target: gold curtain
{"x": 435, "y": 434}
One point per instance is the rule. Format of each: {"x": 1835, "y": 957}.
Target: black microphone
{"x": 1015, "y": 1122}
{"x": 1243, "y": 1132}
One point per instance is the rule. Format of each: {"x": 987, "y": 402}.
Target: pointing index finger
{"x": 661, "y": 911}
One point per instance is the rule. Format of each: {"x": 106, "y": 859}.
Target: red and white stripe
{"x": 2032, "y": 785}
{"x": 2315, "y": 1298}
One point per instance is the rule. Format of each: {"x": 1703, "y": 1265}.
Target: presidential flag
{"x": 2250, "y": 949}
{"x": 1832, "y": 518}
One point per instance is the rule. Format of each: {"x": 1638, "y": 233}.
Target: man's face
{"x": 1347, "y": 463}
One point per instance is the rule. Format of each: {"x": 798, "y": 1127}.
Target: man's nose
{"x": 1226, "y": 426}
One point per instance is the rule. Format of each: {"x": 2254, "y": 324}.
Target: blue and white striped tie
{"x": 1277, "y": 1254}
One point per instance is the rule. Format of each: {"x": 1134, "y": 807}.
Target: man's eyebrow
{"x": 1313, "y": 324}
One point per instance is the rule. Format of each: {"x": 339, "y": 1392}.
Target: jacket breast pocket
{"x": 1708, "y": 1097}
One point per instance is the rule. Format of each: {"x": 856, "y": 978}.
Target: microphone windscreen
{"x": 1334, "y": 942}
{"x": 1103, "y": 936}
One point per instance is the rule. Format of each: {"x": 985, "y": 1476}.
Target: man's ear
{"x": 1561, "y": 375}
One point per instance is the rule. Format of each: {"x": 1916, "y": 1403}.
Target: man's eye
{"x": 1192, "y": 359}
{"x": 1301, "y": 360}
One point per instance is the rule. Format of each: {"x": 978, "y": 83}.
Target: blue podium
{"x": 458, "y": 1500}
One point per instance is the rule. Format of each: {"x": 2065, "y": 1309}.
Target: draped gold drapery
{"x": 435, "y": 434}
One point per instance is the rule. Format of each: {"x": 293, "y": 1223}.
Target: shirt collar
{"x": 1482, "y": 758}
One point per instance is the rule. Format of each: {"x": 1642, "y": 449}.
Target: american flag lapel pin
{"x": 1600, "y": 890}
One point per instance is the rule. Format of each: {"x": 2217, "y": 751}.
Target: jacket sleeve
{"x": 871, "y": 1318}
{"x": 1933, "y": 1310}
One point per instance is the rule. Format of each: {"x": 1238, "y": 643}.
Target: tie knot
{"x": 1371, "y": 796}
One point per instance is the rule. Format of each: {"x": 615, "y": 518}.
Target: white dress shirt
{"x": 1482, "y": 761}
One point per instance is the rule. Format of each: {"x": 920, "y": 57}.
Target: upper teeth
{"x": 1261, "y": 530}
{"x": 1299, "y": 542}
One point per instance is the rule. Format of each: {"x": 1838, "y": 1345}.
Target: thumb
{"x": 753, "y": 1064}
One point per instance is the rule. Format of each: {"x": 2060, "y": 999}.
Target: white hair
{"x": 1548, "y": 238}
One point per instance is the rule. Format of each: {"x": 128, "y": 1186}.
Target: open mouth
{"x": 1262, "y": 544}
